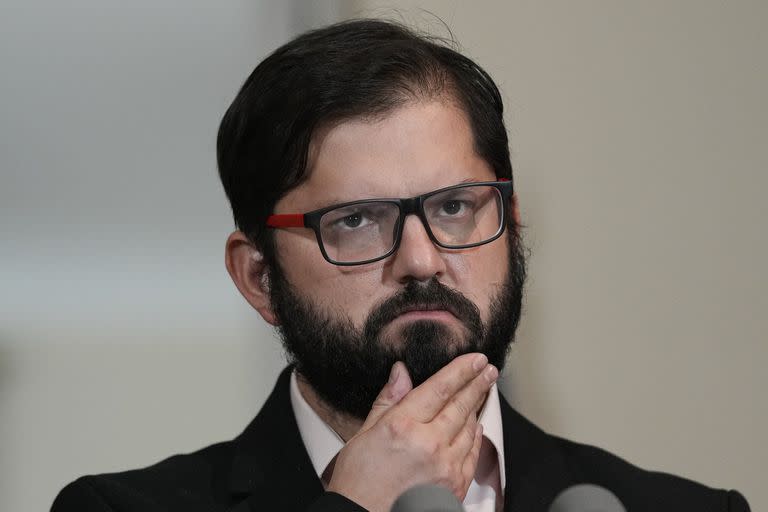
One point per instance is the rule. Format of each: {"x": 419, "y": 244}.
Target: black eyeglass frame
{"x": 406, "y": 206}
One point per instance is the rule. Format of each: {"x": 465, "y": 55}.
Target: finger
{"x": 462, "y": 443}
{"x": 426, "y": 400}
{"x": 470, "y": 462}
{"x": 467, "y": 402}
{"x": 398, "y": 385}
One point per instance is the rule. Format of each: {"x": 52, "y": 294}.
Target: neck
{"x": 343, "y": 424}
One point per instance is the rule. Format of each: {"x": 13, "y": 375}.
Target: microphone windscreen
{"x": 586, "y": 498}
{"x": 427, "y": 498}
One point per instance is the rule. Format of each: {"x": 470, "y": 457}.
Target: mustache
{"x": 416, "y": 296}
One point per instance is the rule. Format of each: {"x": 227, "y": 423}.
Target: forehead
{"x": 417, "y": 148}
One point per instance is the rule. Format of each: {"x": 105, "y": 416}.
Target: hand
{"x": 415, "y": 436}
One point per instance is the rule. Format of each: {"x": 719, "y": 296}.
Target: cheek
{"x": 479, "y": 275}
{"x": 350, "y": 291}
{"x": 301, "y": 260}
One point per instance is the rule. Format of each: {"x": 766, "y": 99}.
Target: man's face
{"x": 345, "y": 326}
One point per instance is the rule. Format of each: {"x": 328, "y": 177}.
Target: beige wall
{"x": 638, "y": 135}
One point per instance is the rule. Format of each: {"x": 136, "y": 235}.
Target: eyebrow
{"x": 333, "y": 200}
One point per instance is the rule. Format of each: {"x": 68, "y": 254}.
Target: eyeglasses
{"x": 369, "y": 230}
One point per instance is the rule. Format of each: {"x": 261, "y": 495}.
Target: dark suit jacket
{"x": 267, "y": 468}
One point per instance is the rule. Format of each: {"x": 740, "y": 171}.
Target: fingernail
{"x": 394, "y": 374}
{"x": 479, "y": 362}
{"x": 491, "y": 373}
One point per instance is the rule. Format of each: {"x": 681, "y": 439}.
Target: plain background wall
{"x": 638, "y": 139}
{"x": 122, "y": 339}
{"x": 638, "y": 134}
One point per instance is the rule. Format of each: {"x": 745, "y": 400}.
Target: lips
{"x": 425, "y": 307}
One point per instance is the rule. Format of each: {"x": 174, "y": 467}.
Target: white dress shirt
{"x": 486, "y": 492}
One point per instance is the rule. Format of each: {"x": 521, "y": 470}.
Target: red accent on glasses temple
{"x": 290, "y": 220}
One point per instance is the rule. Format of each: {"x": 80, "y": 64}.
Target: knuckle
{"x": 450, "y": 470}
{"x": 470, "y": 428}
{"x": 400, "y": 427}
{"x": 463, "y": 409}
{"x": 442, "y": 391}
{"x": 431, "y": 451}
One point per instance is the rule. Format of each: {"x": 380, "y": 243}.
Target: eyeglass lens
{"x": 456, "y": 217}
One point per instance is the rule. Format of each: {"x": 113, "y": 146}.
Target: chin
{"x": 426, "y": 333}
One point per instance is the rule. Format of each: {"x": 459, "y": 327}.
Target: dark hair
{"x": 358, "y": 68}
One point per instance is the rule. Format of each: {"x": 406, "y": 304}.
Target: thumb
{"x": 398, "y": 385}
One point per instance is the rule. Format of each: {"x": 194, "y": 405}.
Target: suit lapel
{"x": 535, "y": 469}
{"x": 272, "y": 470}
{"x": 271, "y": 467}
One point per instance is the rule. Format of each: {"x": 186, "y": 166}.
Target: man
{"x": 369, "y": 176}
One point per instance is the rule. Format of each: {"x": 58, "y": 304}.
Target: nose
{"x": 417, "y": 258}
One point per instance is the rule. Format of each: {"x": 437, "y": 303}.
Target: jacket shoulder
{"x": 641, "y": 489}
{"x": 190, "y": 481}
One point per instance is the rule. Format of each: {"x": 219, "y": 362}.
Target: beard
{"x": 347, "y": 366}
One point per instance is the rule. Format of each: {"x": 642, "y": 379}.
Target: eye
{"x": 453, "y": 207}
{"x": 352, "y": 221}
{"x": 360, "y": 217}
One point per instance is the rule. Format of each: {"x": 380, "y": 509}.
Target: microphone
{"x": 586, "y": 498}
{"x": 427, "y": 498}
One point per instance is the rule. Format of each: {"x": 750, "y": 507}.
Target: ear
{"x": 246, "y": 266}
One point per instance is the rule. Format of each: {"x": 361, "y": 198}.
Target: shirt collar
{"x": 323, "y": 443}
{"x": 490, "y": 419}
